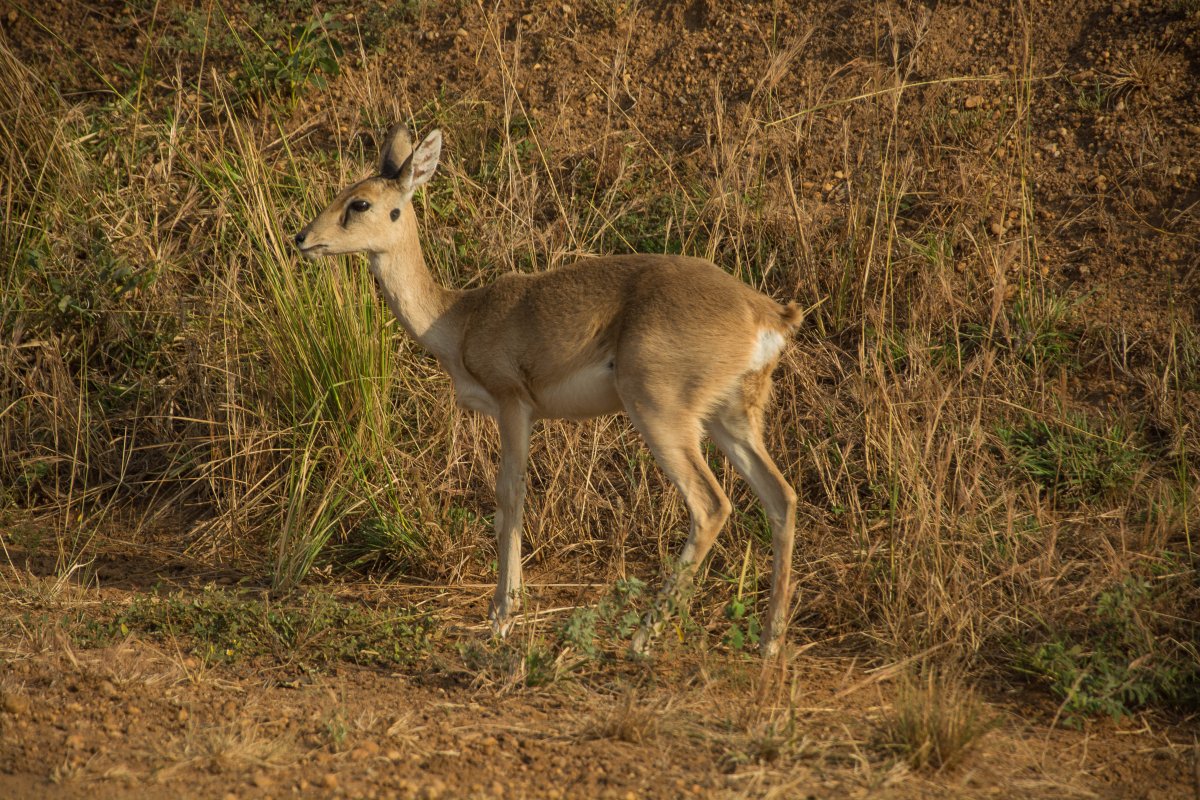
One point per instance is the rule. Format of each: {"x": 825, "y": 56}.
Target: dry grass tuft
{"x": 632, "y": 718}
{"x": 936, "y": 719}
{"x": 229, "y": 747}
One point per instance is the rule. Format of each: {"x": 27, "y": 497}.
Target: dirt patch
{"x": 155, "y": 714}
{"x": 130, "y": 721}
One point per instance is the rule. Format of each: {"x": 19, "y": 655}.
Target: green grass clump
{"x": 1034, "y": 332}
{"x": 510, "y": 663}
{"x": 266, "y": 58}
{"x": 1074, "y": 461}
{"x": 313, "y": 628}
{"x": 586, "y": 638}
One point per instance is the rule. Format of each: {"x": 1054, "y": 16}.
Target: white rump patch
{"x": 766, "y": 348}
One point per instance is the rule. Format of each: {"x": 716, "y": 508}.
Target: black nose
{"x": 300, "y": 238}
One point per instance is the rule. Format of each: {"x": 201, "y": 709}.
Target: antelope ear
{"x": 424, "y": 159}
{"x": 397, "y": 147}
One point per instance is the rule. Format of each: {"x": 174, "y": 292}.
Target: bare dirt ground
{"x": 100, "y": 702}
{"x": 145, "y": 718}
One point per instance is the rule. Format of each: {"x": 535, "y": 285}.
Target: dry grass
{"x": 165, "y": 362}
{"x": 632, "y": 718}
{"x": 936, "y": 719}
{"x": 236, "y": 745}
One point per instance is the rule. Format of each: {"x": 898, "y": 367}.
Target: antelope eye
{"x": 359, "y": 206}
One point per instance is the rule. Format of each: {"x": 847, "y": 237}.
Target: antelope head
{"x": 366, "y": 217}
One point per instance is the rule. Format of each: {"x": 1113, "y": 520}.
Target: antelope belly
{"x": 587, "y": 392}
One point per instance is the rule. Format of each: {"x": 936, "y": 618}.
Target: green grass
{"x": 526, "y": 661}
{"x": 1036, "y": 332}
{"x": 1074, "y": 461}
{"x": 1092, "y": 98}
{"x": 312, "y": 629}
{"x": 272, "y": 53}
{"x": 588, "y": 638}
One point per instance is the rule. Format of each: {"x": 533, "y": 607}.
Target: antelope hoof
{"x": 650, "y": 629}
{"x": 640, "y": 646}
{"x": 501, "y": 616}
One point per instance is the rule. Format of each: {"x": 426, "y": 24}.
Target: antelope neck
{"x": 418, "y": 301}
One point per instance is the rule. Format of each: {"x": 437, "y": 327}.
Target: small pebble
{"x": 15, "y": 703}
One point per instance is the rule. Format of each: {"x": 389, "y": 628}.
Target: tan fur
{"x": 675, "y": 342}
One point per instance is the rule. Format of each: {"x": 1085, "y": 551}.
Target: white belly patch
{"x": 588, "y": 392}
{"x": 766, "y": 348}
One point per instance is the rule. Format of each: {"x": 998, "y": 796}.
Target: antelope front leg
{"x": 516, "y": 425}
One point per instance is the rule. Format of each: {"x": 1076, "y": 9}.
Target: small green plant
{"x": 508, "y": 663}
{"x": 336, "y": 730}
{"x": 305, "y": 56}
{"x": 85, "y": 631}
{"x": 621, "y": 608}
{"x": 1092, "y": 98}
{"x": 579, "y": 631}
{"x": 1072, "y": 460}
{"x": 284, "y": 64}
{"x": 613, "y": 621}
{"x": 744, "y": 627}
{"x": 1119, "y": 663}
